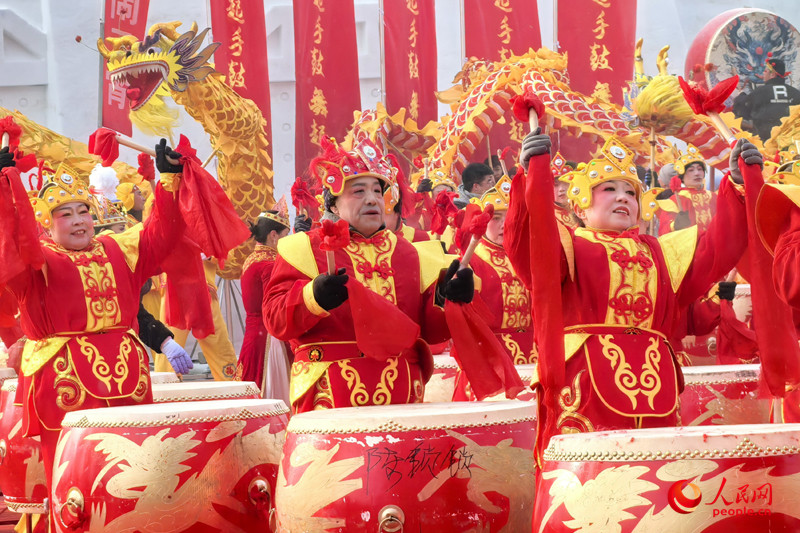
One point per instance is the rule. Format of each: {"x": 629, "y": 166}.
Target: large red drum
{"x": 727, "y": 479}
{"x": 171, "y": 467}
{"x": 164, "y": 377}
{"x": 196, "y": 391}
{"x": 723, "y": 394}
{"x": 22, "y": 477}
{"x": 443, "y": 380}
{"x": 445, "y": 467}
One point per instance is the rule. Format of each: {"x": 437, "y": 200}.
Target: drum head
{"x": 444, "y": 361}
{"x": 412, "y": 417}
{"x": 174, "y": 414}
{"x": 204, "y": 390}
{"x": 164, "y": 377}
{"x": 7, "y": 373}
{"x": 720, "y": 374}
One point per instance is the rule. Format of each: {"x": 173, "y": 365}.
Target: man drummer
{"x": 311, "y": 309}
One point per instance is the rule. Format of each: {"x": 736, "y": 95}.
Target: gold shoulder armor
{"x": 432, "y": 260}
{"x": 296, "y": 250}
{"x": 678, "y": 248}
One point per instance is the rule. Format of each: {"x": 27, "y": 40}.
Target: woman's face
{"x": 72, "y": 226}
{"x": 614, "y": 207}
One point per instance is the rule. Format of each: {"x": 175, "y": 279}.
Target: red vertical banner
{"x": 122, "y": 17}
{"x": 326, "y": 74}
{"x": 494, "y": 30}
{"x": 240, "y": 27}
{"x": 409, "y": 44}
{"x": 599, "y": 36}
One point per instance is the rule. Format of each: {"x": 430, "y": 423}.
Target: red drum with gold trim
{"x": 726, "y": 479}
{"x": 723, "y": 394}
{"x": 198, "y": 466}
{"x": 22, "y": 477}
{"x": 443, "y": 380}
{"x": 194, "y": 391}
{"x": 526, "y": 373}
{"x": 7, "y": 373}
{"x": 164, "y": 377}
{"x": 443, "y": 467}
{"x": 743, "y": 303}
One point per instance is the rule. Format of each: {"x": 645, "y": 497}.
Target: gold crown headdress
{"x": 63, "y": 188}
{"x": 559, "y": 166}
{"x": 440, "y": 176}
{"x": 789, "y": 174}
{"x": 282, "y": 215}
{"x": 615, "y": 163}
{"x": 691, "y": 156}
{"x": 498, "y": 196}
{"x": 108, "y": 213}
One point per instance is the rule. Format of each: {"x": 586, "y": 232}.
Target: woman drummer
{"x": 621, "y": 290}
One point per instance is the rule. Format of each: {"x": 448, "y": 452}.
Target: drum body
{"x": 730, "y": 479}
{"x": 22, "y": 476}
{"x": 441, "y": 467}
{"x": 723, "y": 394}
{"x": 163, "y": 377}
{"x": 171, "y": 467}
{"x": 197, "y": 391}
{"x": 7, "y": 373}
{"x": 443, "y": 380}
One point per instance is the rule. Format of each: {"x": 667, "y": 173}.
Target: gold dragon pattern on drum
{"x": 165, "y": 63}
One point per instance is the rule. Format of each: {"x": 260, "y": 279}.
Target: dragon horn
{"x": 662, "y": 61}
{"x": 102, "y": 48}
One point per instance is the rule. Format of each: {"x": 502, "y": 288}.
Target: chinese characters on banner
{"x": 240, "y": 27}
{"x": 409, "y": 40}
{"x": 326, "y": 70}
{"x": 599, "y": 36}
{"x": 122, "y": 17}
{"x": 495, "y": 30}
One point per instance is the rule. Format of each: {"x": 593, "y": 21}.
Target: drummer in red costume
{"x": 621, "y": 290}
{"x": 692, "y": 203}
{"x": 79, "y": 295}
{"x": 310, "y": 308}
{"x": 270, "y": 227}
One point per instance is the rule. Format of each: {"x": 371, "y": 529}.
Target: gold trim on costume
{"x": 569, "y": 399}
{"x": 678, "y": 248}
{"x": 432, "y": 260}
{"x": 296, "y": 250}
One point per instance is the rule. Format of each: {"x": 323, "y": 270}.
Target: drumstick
{"x": 125, "y": 141}
{"x": 6, "y": 140}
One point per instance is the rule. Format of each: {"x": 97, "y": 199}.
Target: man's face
{"x": 486, "y": 183}
{"x": 494, "y": 229}
{"x": 498, "y": 172}
{"x": 439, "y": 188}
{"x": 695, "y": 176}
{"x": 138, "y": 199}
{"x": 614, "y": 207}
{"x": 560, "y": 192}
{"x": 72, "y": 226}
{"x": 361, "y": 205}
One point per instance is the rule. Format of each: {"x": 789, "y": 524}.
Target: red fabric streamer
{"x": 443, "y": 210}
{"x": 777, "y": 339}
{"x": 335, "y": 235}
{"x": 478, "y": 352}
{"x": 521, "y": 105}
{"x": 382, "y": 329}
{"x": 104, "y": 143}
{"x": 208, "y": 211}
{"x": 19, "y": 245}
{"x": 735, "y": 340}
{"x": 480, "y": 221}
{"x": 146, "y": 168}
{"x": 304, "y": 200}
{"x": 8, "y": 125}
{"x": 25, "y": 162}
{"x": 702, "y": 101}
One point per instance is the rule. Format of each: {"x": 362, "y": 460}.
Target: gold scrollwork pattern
{"x": 358, "y": 392}
{"x": 323, "y": 397}
{"x": 100, "y": 367}
{"x": 570, "y": 420}
{"x": 515, "y": 297}
{"x": 70, "y": 395}
{"x": 648, "y": 383}
{"x": 512, "y": 347}
{"x": 372, "y": 262}
{"x": 383, "y": 392}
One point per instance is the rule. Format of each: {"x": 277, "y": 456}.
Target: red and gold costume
{"x": 256, "y": 273}
{"x": 412, "y": 234}
{"x": 621, "y": 294}
{"x": 701, "y": 204}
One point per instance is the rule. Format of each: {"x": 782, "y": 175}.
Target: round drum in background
{"x": 526, "y": 373}
{"x": 743, "y": 303}
{"x": 194, "y": 391}
{"x": 22, "y": 477}
{"x": 444, "y": 467}
{"x": 442, "y": 384}
{"x": 728, "y": 479}
{"x": 737, "y": 42}
{"x": 169, "y": 467}
{"x": 164, "y": 377}
{"x": 723, "y": 394}
{"x": 7, "y": 373}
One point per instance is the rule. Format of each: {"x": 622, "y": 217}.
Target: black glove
{"x": 329, "y": 290}
{"x": 648, "y": 177}
{"x": 749, "y": 153}
{"x": 6, "y": 159}
{"x": 533, "y": 144}
{"x": 666, "y": 194}
{"x": 425, "y": 185}
{"x": 681, "y": 221}
{"x": 162, "y": 153}
{"x": 726, "y": 290}
{"x": 457, "y": 285}
{"x": 302, "y": 223}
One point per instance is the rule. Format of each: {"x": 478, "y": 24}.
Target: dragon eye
{"x": 152, "y": 50}
{"x": 127, "y": 53}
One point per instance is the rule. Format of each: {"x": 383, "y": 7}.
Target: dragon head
{"x": 163, "y": 61}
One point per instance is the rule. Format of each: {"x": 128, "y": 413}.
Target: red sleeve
{"x": 787, "y": 259}
{"x": 285, "y": 312}
{"x": 516, "y": 234}
{"x": 162, "y": 232}
{"x": 20, "y": 250}
{"x": 703, "y": 317}
{"x": 719, "y": 248}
